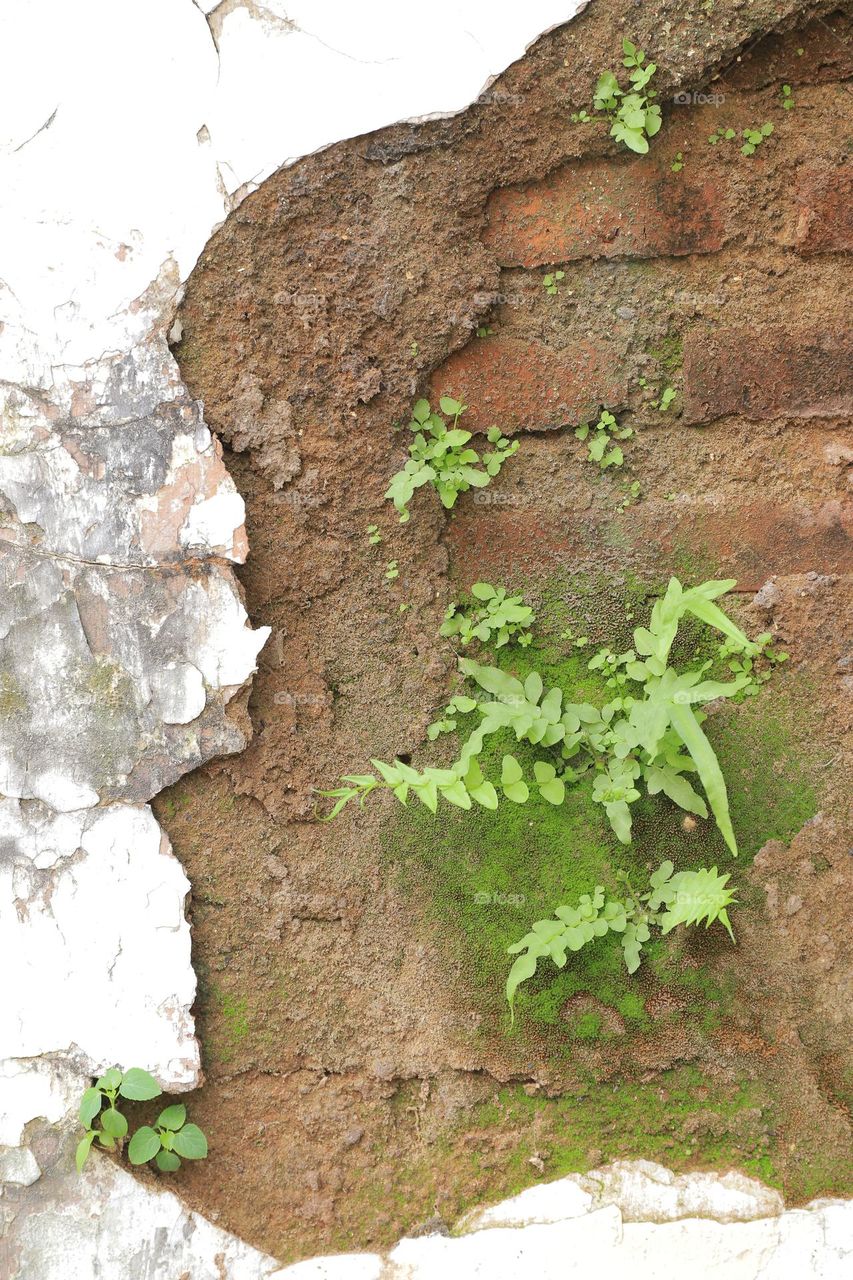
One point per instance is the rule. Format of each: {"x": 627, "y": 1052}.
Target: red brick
{"x": 827, "y": 56}
{"x": 767, "y": 373}
{"x": 594, "y": 209}
{"x": 825, "y": 199}
{"x": 515, "y": 384}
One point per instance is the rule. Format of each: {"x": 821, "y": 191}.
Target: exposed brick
{"x": 827, "y": 55}
{"x": 625, "y": 207}
{"x": 515, "y": 384}
{"x": 767, "y": 373}
{"x": 825, "y": 199}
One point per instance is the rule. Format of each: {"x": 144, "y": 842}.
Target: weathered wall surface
{"x": 124, "y": 644}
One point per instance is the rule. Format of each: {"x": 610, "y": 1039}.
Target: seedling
{"x": 600, "y": 438}
{"x": 414, "y": 348}
{"x": 374, "y": 537}
{"x": 440, "y": 456}
{"x": 721, "y": 135}
{"x": 503, "y": 617}
{"x": 649, "y": 732}
{"x": 787, "y": 97}
{"x": 170, "y": 1139}
{"x": 391, "y": 571}
{"x": 634, "y": 117}
{"x": 632, "y": 494}
{"x": 580, "y": 642}
{"x": 484, "y": 331}
{"x": 688, "y": 898}
{"x": 754, "y": 138}
{"x": 678, "y": 163}
{"x": 581, "y": 117}
{"x": 100, "y": 1103}
{"x": 551, "y": 282}
{"x": 666, "y": 399}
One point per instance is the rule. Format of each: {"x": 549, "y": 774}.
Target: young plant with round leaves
{"x": 635, "y": 116}
{"x": 441, "y": 456}
{"x": 99, "y": 1103}
{"x": 686, "y": 898}
{"x": 167, "y": 1141}
{"x": 599, "y": 439}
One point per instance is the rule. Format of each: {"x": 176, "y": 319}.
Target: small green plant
{"x": 688, "y": 898}
{"x": 374, "y": 537}
{"x": 441, "y": 457}
{"x": 753, "y": 138}
{"x": 501, "y": 616}
{"x": 666, "y": 398}
{"x": 721, "y": 135}
{"x": 458, "y": 705}
{"x": 414, "y": 348}
{"x": 635, "y": 118}
{"x": 100, "y": 1102}
{"x": 678, "y": 163}
{"x": 484, "y": 331}
{"x": 787, "y": 97}
{"x": 169, "y": 1139}
{"x": 600, "y": 437}
{"x": 649, "y": 732}
{"x": 551, "y": 282}
{"x": 633, "y": 493}
{"x": 581, "y": 117}
{"x": 174, "y": 1137}
{"x": 392, "y": 571}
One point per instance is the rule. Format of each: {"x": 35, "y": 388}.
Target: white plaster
{"x": 18, "y": 1167}
{"x": 38, "y": 1089}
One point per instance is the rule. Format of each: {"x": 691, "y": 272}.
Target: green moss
{"x": 669, "y": 353}
{"x": 587, "y": 1027}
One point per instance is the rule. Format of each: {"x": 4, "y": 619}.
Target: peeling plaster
{"x": 122, "y": 632}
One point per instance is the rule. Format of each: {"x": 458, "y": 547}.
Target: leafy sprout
{"x": 100, "y": 1103}
{"x": 169, "y": 1140}
{"x": 634, "y": 115}
{"x": 499, "y": 615}
{"x": 441, "y": 456}
{"x": 551, "y": 281}
{"x": 600, "y": 437}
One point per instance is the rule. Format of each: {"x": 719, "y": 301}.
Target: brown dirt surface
{"x": 360, "y": 1077}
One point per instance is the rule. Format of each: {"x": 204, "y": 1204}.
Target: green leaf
{"x": 167, "y": 1161}
{"x": 450, "y": 407}
{"x": 84, "y": 1146}
{"x": 139, "y": 1086}
{"x": 511, "y": 770}
{"x": 421, "y": 411}
{"x": 109, "y": 1080}
{"x": 143, "y": 1146}
{"x": 172, "y": 1117}
{"x": 113, "y": 1123}
{"x": 190, "y": 1142}
{"x": 90, "y": 1105}
{"x": 702, "y": 753}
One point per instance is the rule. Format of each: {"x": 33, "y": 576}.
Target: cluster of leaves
{"x": 635, "y": 116}
{"x": 633, "y": 493}
{"x": 551, "y": 282}
{"x": 649, "y": 732}
{"x": 752, "y": 138}
{"x": 374, "y": 536}
{"x": 678, "y": 163}
{"x": 787, "y": 97}
{"x": 440, "y": 456}
{"x": 501, "y": 616}
{"x": 688, "y": 898}
{"x": 104, "y": 1122}
{"x": 600, "y": 437}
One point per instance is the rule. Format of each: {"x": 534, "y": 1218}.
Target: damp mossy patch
{"x": 484, "y": 877}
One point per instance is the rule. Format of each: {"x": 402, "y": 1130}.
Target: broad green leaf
{"x": 172, "y": 1117}
{"x": 113, "y": 1123}
{"x": 190, "y": 1142}
{"x": 84, "y": 1146}
{"x": 139, "y": 1085}
{"x": 109, "y": 1080}
{"x": 523, "y": 968}
{"x": 90, "y": 1105}
{"x": 421, "y": 411}
{"x": 167, "y": 1161}
{"x": 482, "y": 590}
{"x": 450, "y": 407}
{"x": 143, "y": 1146}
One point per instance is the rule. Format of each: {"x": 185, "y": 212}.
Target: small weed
{"x": 415, "y": 349}
{"x": 721, "y": 135}
{"x": 441, "y": 457}
{"x": 581, "y": 117}
{"x": 174, "y": 1138}
{"x": 634, "y": 117}
{"x": 787, "y": 97}
{"x": 600, "y": 437}
{"x": 754, "y": 138}
{"x": 501, "y": 617}
{"x": 484, "y": 331}
{"x": 374, "y": 537}
{"x": 551, "y": 282}
{"x": 632, "y": 494}
{"x": 678, "y": 163}
{"x": 392, "y": 571}
{"x": 666, "y": 399}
